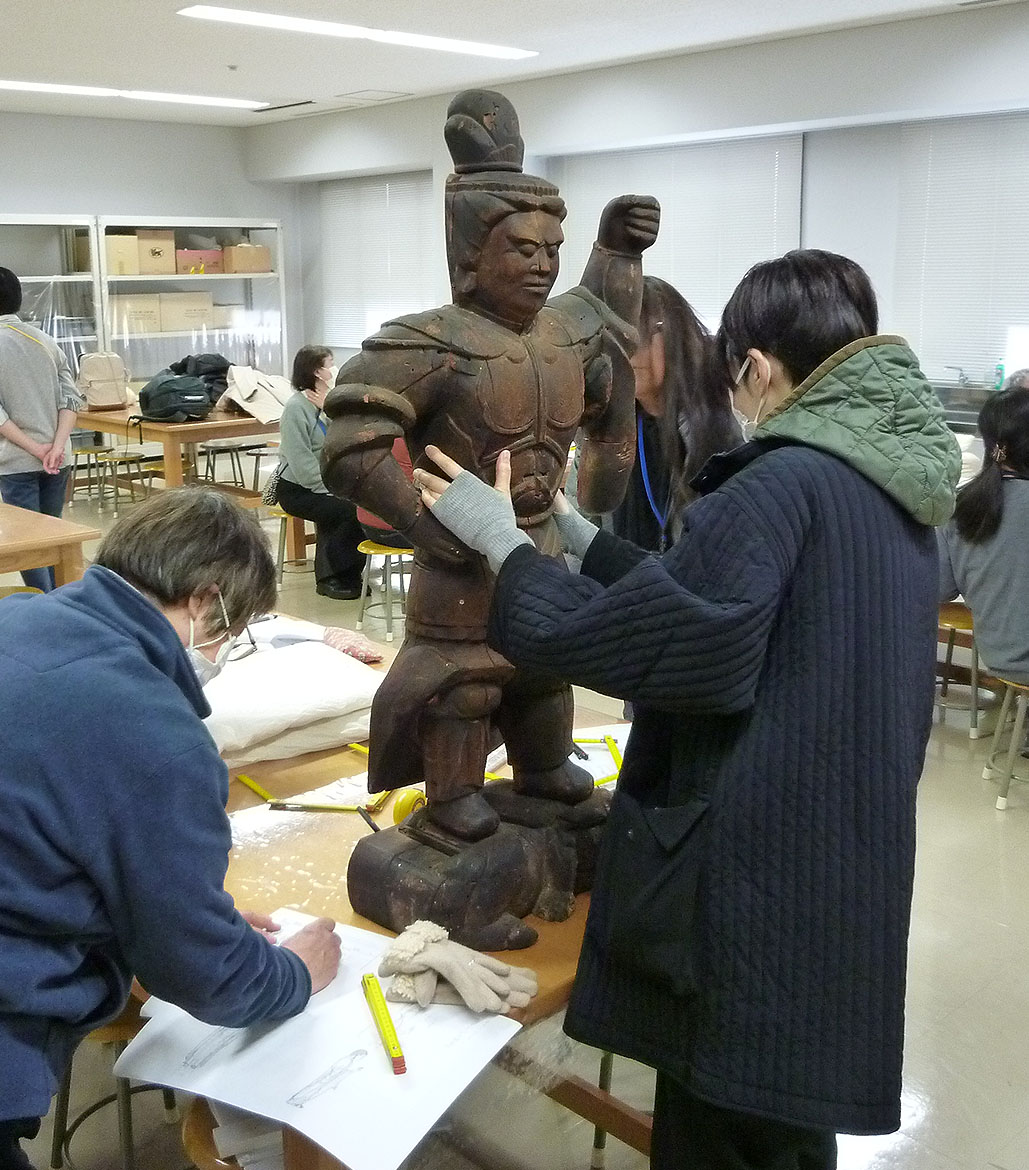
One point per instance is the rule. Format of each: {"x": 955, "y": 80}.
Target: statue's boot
{"x": 567, "y": 782}
{"x": 535, "y": 716}
{"x": 469, "y": 817}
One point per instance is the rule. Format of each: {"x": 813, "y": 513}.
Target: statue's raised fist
{"x": 629, "y": 224}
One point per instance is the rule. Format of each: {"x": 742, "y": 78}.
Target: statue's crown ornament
{"x": 482, "y": 133}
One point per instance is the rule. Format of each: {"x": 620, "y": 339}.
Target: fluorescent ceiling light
{"x": 328, "y": 28}
{"x": 140, "y": 95}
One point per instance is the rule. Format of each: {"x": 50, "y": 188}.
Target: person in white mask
{"x": 749, "y": 915}
{"x": 114, "y": 839}
{"x": 302, "y": 492}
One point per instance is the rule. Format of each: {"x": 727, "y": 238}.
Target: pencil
{"x": 300, "y": 806}
{"x": 383, "y": 1022}
{"x": 366, "y": 816}
{"x": 263, "y": 793}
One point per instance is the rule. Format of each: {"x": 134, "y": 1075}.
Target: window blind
{"x": 724, "y": 206}
{"x": 961, "y": 295}
{"x": 375, "y": 260}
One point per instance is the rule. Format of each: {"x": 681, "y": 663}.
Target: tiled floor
{"x": 966, "y": 1071}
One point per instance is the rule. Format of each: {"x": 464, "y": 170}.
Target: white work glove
{"x": 428, "y": 968}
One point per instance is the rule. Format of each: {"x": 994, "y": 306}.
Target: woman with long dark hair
{"x": 301, "y": 491}
{"x": 984, "y": 550}
{"x": 683, "y": 417}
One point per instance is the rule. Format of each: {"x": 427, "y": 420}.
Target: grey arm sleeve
{"x": 481, "y": 517}
{"x": 577, "y": 532}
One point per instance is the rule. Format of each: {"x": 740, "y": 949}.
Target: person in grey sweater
{"x": 301, "y": 491}
{"x": 38, "y": 402}
{"x": 984, "y": 549}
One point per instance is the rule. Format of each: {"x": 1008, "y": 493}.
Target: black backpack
{"x": 176, "y": 398}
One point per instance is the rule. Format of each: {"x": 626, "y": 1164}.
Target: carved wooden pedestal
{"x": 543, "y": 854}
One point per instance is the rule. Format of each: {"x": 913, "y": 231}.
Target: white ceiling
{"x": 143, "y": 44}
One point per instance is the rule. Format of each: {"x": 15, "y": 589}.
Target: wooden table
{"x": 174, "y": 436}
{"x": 304, "y": 864}
{"x": 30, "y": 540}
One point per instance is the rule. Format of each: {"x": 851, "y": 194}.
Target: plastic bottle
{"x": 998, "y": 375}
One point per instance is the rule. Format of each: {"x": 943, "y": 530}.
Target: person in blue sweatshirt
{"x": 114, "y": 840}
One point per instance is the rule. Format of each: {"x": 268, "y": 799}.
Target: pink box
{"x": 197, "y": 260}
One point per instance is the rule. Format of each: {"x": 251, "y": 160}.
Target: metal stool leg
{"x": 1017, "y": 732}
{"x": 973, "y": 701}
{"x": 387, "y": 573}
{"x": 365, "y": 574}
{"x": 945, "y": 681}
{"x": 123, "y": 1091}
{"x": 282, "y": 546}
{"x": 60, "y": 1121}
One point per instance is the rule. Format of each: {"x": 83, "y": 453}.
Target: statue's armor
{"x": 472, "y": 387}
{"x": 477, "y": 388}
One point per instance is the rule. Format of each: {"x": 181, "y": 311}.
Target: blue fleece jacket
{"x": 113, "y": 840}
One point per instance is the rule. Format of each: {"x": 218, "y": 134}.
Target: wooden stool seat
{"x": 1017, "y": 693}
{"x": 198, "y": 1138}
{"x": 372, "y": 548}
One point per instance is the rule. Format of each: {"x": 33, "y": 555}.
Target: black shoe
{"x": 338, "y": 590}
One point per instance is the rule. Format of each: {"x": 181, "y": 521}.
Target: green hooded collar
{"x": 871, "y": 405}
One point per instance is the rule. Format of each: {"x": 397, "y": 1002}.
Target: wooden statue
{"x": 501, "y": 367}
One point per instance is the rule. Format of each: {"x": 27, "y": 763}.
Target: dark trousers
{"x": 339, "y": 533}
{"x": 38, "y": 491}
{"x": 11, "y": 1133}
{"x": 690, "y": 1134}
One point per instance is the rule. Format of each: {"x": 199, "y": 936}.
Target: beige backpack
{"x": 103, "y": 380}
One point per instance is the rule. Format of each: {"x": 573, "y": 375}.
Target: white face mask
{"x": 203, "y": 666}
{"x": 746, "y": 424}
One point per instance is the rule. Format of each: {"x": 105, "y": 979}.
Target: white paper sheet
{"x": 325, "y": 1072}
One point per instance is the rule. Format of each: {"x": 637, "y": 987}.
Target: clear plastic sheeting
{"x": 65, "y": 311}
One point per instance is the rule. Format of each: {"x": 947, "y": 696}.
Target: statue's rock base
{"x": 543, "y": 854}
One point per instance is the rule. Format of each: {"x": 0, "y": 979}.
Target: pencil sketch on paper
{"x": 201, "y": 1053}
{"x": 329, "y": 1079}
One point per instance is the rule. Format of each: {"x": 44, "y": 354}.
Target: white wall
{"x": 850, "y": 201}
{"x": 937, "y": 66}
{"x": 100, "y": 166}
{"x": 848, "y": 89}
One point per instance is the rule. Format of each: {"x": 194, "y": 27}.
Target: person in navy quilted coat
{"x": 748, "y": 929}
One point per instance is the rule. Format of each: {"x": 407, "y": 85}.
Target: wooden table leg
{"x": 172, "y": 461}
{"x": 68, "y": 566}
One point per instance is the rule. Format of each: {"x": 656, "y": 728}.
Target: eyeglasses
{"x": 241, "y": 649}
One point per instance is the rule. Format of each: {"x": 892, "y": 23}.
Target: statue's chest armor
{"x": 534, "y": 388}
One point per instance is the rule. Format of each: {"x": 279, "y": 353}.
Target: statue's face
{"x": 518, "y": 266}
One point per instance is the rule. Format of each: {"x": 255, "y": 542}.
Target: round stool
{"x": 956, "y": 617}
{"x": 1017, "y": 693}
{"x": 371, "y": 549}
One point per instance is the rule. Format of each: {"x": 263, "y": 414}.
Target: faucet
{"x": 962, "y": 376}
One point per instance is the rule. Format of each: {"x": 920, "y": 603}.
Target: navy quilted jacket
{"x": 749, "y": 921}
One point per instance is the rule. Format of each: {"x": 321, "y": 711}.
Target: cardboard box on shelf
{"x": 199, "y": 260}
{"x": 247, "y": 258}
{"x": 182, "y": 312}
{"x": 156, "y": 252}
{"x": 122, "y": 255}
{"x": 138, "y": 313}
{"x": 228, "y": 317}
